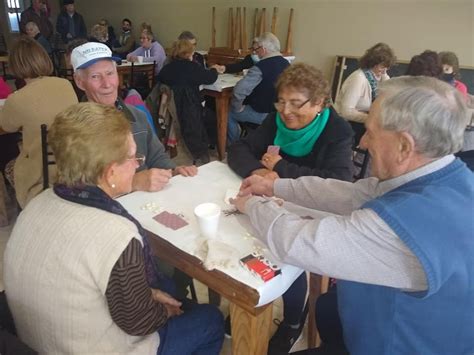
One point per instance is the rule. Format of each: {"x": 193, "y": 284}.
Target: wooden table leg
{"x": 222, "y": 108}
{"x": 250, "y": 333}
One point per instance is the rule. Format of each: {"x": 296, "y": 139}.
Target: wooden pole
{"x": 235, "y": 36}
{"x": 238, "y": 29}
{"x": 230, "y": 28}
{"x": 274, "y": 20}
{"x": 255, "y": 25}
{"x": 264, "y": 21}
{"x": 244, "y": 32}
{"x": 213, "y": 29}
{"x": 289, "y": 37}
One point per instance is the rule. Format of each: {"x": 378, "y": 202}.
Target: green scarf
{"x": 298, "y": 143}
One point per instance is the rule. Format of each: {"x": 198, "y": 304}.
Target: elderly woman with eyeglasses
{"x": 304, "y": 137}
{"x": 87, "y": 282}
{"x": 311, "y": 137}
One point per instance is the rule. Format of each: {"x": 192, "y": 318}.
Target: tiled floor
{"x": 202, "y": 291}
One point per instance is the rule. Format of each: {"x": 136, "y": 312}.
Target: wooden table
{"x": 125, "y": 69}
{"x": 250, "y": 300}
{"x": 221, "y": 90}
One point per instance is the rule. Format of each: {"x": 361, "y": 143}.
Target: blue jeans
{"x": 247, "y": 115}
{"x": 198, "y": 331}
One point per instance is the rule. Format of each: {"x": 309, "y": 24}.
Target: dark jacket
{"x": 62, "y": 26}
{"x": 329, "y": 158}
{"x": 245, "y": 63}
{"x": 44, "y": 25}
{"x": 184, "y": 78}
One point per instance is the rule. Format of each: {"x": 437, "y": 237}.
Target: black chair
{"x": 142, "y": 78}
{"x": 46, "y": 156}
{"x": 360, "y": 159}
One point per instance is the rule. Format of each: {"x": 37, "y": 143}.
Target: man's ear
{"x": 406, "y": 146}
{"x": 78, "y": 81}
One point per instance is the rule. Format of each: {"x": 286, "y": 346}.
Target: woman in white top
{"x": 360, "y": 88}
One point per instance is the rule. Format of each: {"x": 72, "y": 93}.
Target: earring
{"x": 113, "y": 186}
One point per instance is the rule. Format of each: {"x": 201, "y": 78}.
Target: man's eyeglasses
{"x": 255, "y": 49}
{"x": 293, "y": 107}
{"x": 139, "y": 158}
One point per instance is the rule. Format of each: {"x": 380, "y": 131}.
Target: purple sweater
{"x": 155, "y": 53}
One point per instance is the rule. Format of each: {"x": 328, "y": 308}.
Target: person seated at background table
{"x": 313, "y": 140}
{"x": 95, "y": 72}
{"x": 150, "y": 50}
{"x": 359, "y": 90}
{"x": 96, "y": 286}
{"x": 246, "y": 63}
{"x": 70, "y": 24}
{"x": 110, "y": 32}
{"x": 32, "y": 31}
{"x": 399, "y": 243}
{"x": 126, "y": 40}
{"x": 254, "y": 95}
{"x": 427, "y": 63}
{"x": 27, "y": 109}
{"x": 451, "y": 73}
{"x": 184, "y": 76}
{"x": 197, "y": 57}
{"x": 99, "y": 34}
{"x": 37, "y": 13}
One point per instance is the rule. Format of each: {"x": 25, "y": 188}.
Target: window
{"x": 14, "y": 9}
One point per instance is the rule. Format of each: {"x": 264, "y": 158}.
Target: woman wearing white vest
{"x": 79, "y": 276}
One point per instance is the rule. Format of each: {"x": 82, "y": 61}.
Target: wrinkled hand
{"x": 220, "y": 68}
{"x": 239, "y": 202}
{"x": 171, "y": 304}
{"x": 269, "y": 160}
{"x": 256, "y": 185}
{"x": 272, "y": 176}
{"x": 261, "y": 172}
{"x": 151, "y": 180}
{"x": 185, "y": 170}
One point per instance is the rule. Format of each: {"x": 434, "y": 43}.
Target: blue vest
{"x": 263, "y": 96}
{"x": 434, "y": 216}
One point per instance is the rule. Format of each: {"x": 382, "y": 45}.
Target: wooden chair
{"x": 360, "y": 159}
{"x": 147, "y": 69}
{"x": 47, "y": 156}
{"x": 317, "y": 286}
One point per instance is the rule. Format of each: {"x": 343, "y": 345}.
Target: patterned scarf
{"x": 372, "y": 82}
{"x": 93, "y": 196}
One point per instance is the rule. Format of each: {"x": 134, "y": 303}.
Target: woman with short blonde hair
{"x": 86, "y": 266}
{"x": 38, "y": 102}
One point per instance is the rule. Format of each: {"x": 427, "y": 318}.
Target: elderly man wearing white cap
{"x": 95, "y": 73}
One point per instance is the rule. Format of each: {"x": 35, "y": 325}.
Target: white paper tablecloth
{"x": 223, "y": 81}
{"x": 181, "y": 196}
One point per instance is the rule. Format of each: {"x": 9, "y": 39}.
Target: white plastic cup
{"x": 245, "y": 71}
{"x": 140, "y": 59}
{"x": 207, "y": 215}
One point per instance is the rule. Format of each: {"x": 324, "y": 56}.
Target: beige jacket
{"x": 37, "y": 103}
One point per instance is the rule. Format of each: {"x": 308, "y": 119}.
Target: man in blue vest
{"x": 401, "y": 243}
{"x": 254, "y": 95}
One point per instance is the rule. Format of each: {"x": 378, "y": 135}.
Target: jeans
{"x": 247, "y": 115}
{"x": 198, "y": 331}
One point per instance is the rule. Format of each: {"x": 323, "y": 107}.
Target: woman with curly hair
{"x": 360, "y": 88}
{"x": 451, "y": 74}
{"x": 427, "y": 64}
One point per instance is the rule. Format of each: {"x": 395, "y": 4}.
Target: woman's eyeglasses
{"x": 293, "y": 107}
{"x": 139, "y": 158}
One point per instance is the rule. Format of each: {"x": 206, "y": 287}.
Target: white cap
{"x": 90, "y": 53}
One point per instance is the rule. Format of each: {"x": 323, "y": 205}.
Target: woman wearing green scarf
{"x": 304, "y": 137}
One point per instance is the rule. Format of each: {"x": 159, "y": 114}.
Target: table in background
{"x": 125, "y": 69}
{"x": 221, "y": 90}
{"x": 250, "y": 299}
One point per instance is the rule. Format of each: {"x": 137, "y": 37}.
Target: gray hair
{"x": 269, "y": 41}
{"x": 188, "y": 35}
{"x": 32, "y": 25}
{"x": 432, "y": 111}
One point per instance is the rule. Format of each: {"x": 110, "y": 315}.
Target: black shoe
{"x": 284, "y": 338}
{"x": 227, "y": 330}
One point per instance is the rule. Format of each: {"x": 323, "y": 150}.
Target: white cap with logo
{"x": 90, "y": 53}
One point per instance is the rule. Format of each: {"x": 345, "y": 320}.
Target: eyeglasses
{"x": 293, "y": 107}
{"x": 139, "y": 158}
{"x": 255, "y": 49}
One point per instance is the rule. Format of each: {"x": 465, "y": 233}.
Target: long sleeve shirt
{"x": 341, "y": 240}
{"x": 155, "y": 53}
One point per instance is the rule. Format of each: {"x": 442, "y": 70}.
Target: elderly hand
{"x": 171, "y": 305}
{"x": 256, "y": 185}
{"x": 151, "y": 180}
{"x": 239, "y": 202}
{"x": 261, "y": 172}
{"x": 185, "y": 170}
{"x": 220, "y": 68}
{"x": 269, "y": 160}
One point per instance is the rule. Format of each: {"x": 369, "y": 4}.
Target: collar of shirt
{"x": 391, "y": 184}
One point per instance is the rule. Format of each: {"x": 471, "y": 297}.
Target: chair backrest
{"x": 360, "y": 159}
{"x": 147, "y": 69}
{"x": 47, "y": 156}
